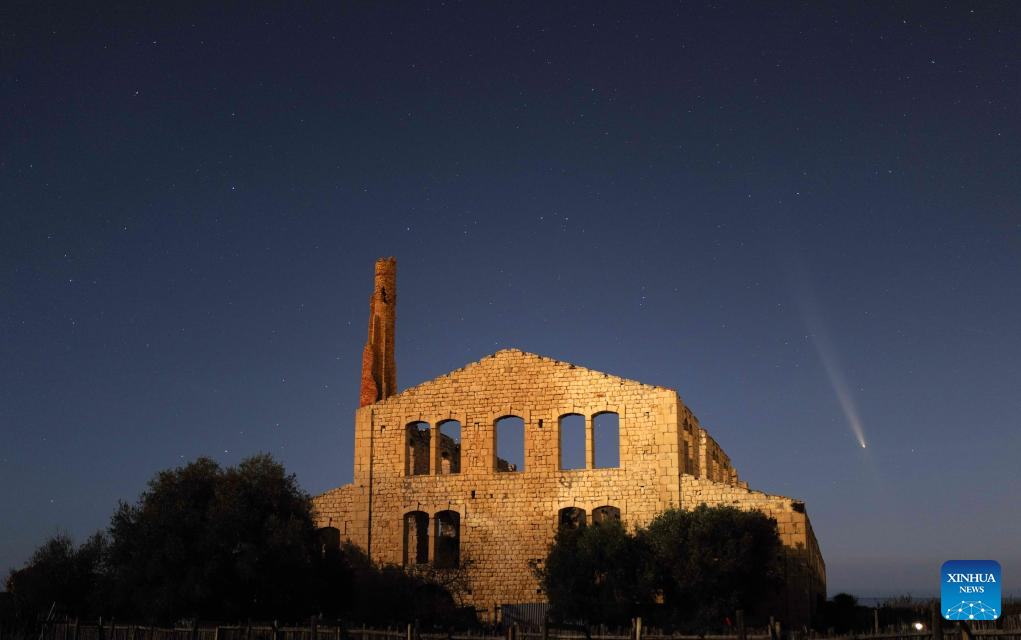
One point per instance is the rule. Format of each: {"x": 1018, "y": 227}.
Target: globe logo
{"x": 970, "y": 610}
{"x": 970, "y": 590}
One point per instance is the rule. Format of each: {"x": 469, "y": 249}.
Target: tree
{"x": 387, "y": 594}
{"x": 598, "y": 573}
{"x": 60, "y": 575}
{"x": 215, "y": 543}
{"x": 701, "y": 565}
{"x": 712, "y": 561}
{"x": 842, "y": 614}
{"x": 224, "y": 544}
{"x": 455, "y": 579}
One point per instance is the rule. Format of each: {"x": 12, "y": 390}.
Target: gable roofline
{"x": 520, "y": 352}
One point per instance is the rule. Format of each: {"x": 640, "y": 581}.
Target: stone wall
{"x": 505, "y": 520}
{"x": 344, "y": 509}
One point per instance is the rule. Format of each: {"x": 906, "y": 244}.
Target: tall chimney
{"x": 379, "y": 371}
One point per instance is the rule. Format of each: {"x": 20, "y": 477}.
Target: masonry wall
{"x": 507, "y": 519}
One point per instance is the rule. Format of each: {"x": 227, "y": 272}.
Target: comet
{"x": 836, "y": 378}
{"x": 805, "y": 299}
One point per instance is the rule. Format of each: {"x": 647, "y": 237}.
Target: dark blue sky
{"x": 803, "y": 217}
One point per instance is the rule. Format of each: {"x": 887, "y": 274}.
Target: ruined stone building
{"x": 431, "y": 487}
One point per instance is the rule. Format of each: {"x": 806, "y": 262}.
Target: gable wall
{"x": 508, "y": 519}
{"x": 509, "y": 523}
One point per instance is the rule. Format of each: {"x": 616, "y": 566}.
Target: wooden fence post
{"x": 937, "y": 624}
{"x": 742, "y": 634}
{"x": 965, "y": 630}
{"x": 638, "y": 628}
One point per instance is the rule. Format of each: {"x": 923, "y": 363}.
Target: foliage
{"x": 599, "y": 573}
{"x": 843, "y": 614}
{"x": 701, "y": 565}
{"x": 226, "y": 544}
{"x": 713, "y": 561}
{"x": 60, "y": 575}
{"x": 454, "y": 579}
{"x": 211, "y": 542}
{"x": 388, "y": 594}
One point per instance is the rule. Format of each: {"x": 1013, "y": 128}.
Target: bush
{"x": 387, "y": 594}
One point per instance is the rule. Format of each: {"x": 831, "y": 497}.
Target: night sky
{"x": 803, "y": 217}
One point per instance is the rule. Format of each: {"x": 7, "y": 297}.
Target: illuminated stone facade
{"x": 422, "y": 496}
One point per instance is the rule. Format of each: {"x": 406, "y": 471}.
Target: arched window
{"x": 450, "y": 447}
{"x": 571, "y": 518}
{"x": 329, "y": 540}
{"x": 417, "y": 448}
{"x": 572, "y": 441}
{"x": 416, "y": 538}
{"x": 606, "y": 439}
{"x": 510, "y": 444}
{"x": 448, "y": 540}
{"x": 605, "y": 514}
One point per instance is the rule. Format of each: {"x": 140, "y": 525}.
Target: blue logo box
{"x": 970, "y": 590}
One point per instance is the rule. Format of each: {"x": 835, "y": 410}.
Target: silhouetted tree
{"x": 69, "y": 579}
{"x": 700, "y": 565}
{"x": 215, "y": 543}
{"x": 712, "y": 561}
{"x": 843, "y": 614}
{"x": 387, "y": 594}
{"x": 598, "y": 573}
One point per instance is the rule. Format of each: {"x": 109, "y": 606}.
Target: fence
{"x": 1007, "y": 628}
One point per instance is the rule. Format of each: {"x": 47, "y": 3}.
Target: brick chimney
{"x": 379, "y": 370}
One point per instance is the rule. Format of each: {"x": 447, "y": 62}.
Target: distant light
{"x": 863, "y": 445}
{"x": 919, "y": 626}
